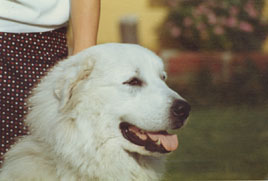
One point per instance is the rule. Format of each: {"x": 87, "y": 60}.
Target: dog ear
{"x": 71, "y": 76}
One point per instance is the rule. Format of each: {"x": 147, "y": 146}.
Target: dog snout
{"x": 180, "y": 111}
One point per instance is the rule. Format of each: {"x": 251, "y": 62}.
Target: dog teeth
{"x": 158, "y": 142}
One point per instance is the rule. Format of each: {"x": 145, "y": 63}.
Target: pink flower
{"x": 218, "y": 30}
{"x": 250, "y": 9}
{"x": 246, "y": 27}
{"x": 187, "y": 22}
{"x": 175, "y": 32}
{"x": 231, "y": 22}
{"x": 212, "y": 19}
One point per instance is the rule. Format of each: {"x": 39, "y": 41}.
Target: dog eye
{"x": 164, "y": 77}
{"x": 134, "y": 82}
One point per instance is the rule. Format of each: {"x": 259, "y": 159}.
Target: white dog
{"x": 100, "y": 115}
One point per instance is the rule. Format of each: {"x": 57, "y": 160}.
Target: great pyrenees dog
{"x": 102, "y": 114}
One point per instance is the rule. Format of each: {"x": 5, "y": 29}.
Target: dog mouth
{"x": 159, "y": 141}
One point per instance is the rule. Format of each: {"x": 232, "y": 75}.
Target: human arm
{"x": 85, "y": 16}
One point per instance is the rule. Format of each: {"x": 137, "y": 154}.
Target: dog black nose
{"x": 180, "y": 111}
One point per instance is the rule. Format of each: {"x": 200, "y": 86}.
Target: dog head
{"x": 116, "y": 94}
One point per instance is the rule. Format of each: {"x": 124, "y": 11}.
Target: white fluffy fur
{"x": 75, "y": 114}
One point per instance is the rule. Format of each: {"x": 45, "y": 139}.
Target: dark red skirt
{"x": 24, "y": 59}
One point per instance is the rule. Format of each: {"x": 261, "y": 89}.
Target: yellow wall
{"x": 149, "y": 19}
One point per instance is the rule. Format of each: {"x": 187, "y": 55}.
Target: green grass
{"x": 222, "y": 143}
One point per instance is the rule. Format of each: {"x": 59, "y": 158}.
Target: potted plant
{"x": 209, "y": 25}
{"x": 210, "y": 33}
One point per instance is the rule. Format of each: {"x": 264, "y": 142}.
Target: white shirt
{"x": 33, "y": 15}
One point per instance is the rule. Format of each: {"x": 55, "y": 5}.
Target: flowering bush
{"x": 234, "y": 25}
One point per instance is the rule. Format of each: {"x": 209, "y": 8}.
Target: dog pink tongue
{"x": 169, "y": 142}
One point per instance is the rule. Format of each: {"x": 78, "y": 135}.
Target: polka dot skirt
{"x": 24, "y": 59}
